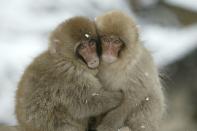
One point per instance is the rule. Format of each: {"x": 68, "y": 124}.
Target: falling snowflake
{"x": 147, "y": 99}
{"x": 146, "y": 74}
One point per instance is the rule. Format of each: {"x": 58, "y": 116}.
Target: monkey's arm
{"x": 90, "y": 103}
{"x": 148, "y": 114}
{"x": 131, "y": 97}
{"x": 116, "y": 118}
{"x": 89, "y": 99}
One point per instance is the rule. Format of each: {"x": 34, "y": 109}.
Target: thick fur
{"x": 135, "y": 74}
{"x": 58, "y": 92}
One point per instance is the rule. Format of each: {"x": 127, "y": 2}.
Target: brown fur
{"x": 58, "y": 92}
{"x": 135, "y": 74}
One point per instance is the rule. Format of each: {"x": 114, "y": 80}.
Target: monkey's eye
{"x": 105, "y": 39}
{"x": 92, "y": 42}
{"x": 82, "y": 46}
{"x": 117, "y": 41}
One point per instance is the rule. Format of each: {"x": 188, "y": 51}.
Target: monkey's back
{"x": 38, "y": 99}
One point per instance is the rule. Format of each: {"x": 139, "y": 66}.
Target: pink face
{"x": 111, "y": 46}
{"x": 88, "y": 51}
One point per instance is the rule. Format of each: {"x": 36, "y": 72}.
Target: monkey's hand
{"x": 108, "y": 100}
{"x": 116, "y": 118}
{"x": 89, "y": 101}
{"x": 112, "y": 121}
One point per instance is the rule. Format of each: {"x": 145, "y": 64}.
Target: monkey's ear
{"x": 53, "y": 45}
{"x": 76, "y": 46}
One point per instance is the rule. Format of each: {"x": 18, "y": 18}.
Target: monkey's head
{"x": 118, "y": 34}
{"x": 76, "y": 39}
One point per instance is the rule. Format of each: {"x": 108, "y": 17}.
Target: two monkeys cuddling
{"x": 92, "y": 70}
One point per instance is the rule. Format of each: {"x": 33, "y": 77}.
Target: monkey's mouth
{"x": 109, "y": 59}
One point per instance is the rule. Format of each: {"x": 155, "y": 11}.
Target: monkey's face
{"x": 87, "y": 49}
{"x": 111, "y": 48}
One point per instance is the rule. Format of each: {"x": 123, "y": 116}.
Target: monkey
{"x": 128, "y": 66}
{"x": 59, "y": 90}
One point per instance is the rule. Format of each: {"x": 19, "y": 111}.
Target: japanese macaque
{"x": 59, "y": 90}
{"x": 127, "y": 66}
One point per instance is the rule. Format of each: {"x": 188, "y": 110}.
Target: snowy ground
{"x": 24, "y": 29}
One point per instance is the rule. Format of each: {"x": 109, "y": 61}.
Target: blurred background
{"x": 168, "y": 29}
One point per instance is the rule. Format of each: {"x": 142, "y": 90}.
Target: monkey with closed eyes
{"x": 59, "y": 90}
{"x": 127, "y": 66}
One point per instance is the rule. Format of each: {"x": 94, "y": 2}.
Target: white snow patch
{"x": 15, "y": 56}
{"x": 169, "y": 44}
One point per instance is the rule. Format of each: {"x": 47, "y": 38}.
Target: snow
{"x": 14, "y": 58}
{"x": 187, "y": 4}
{"x": 25, "y": 26}
{"x": 169, "y": 44}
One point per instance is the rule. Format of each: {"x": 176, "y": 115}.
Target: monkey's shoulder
{"x": 52, "y": 70}
{"x": 39, "y": 62}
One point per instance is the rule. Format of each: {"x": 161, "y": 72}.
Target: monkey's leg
{"x": 146, "y": 116}
{"x": 116, "y": 118}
